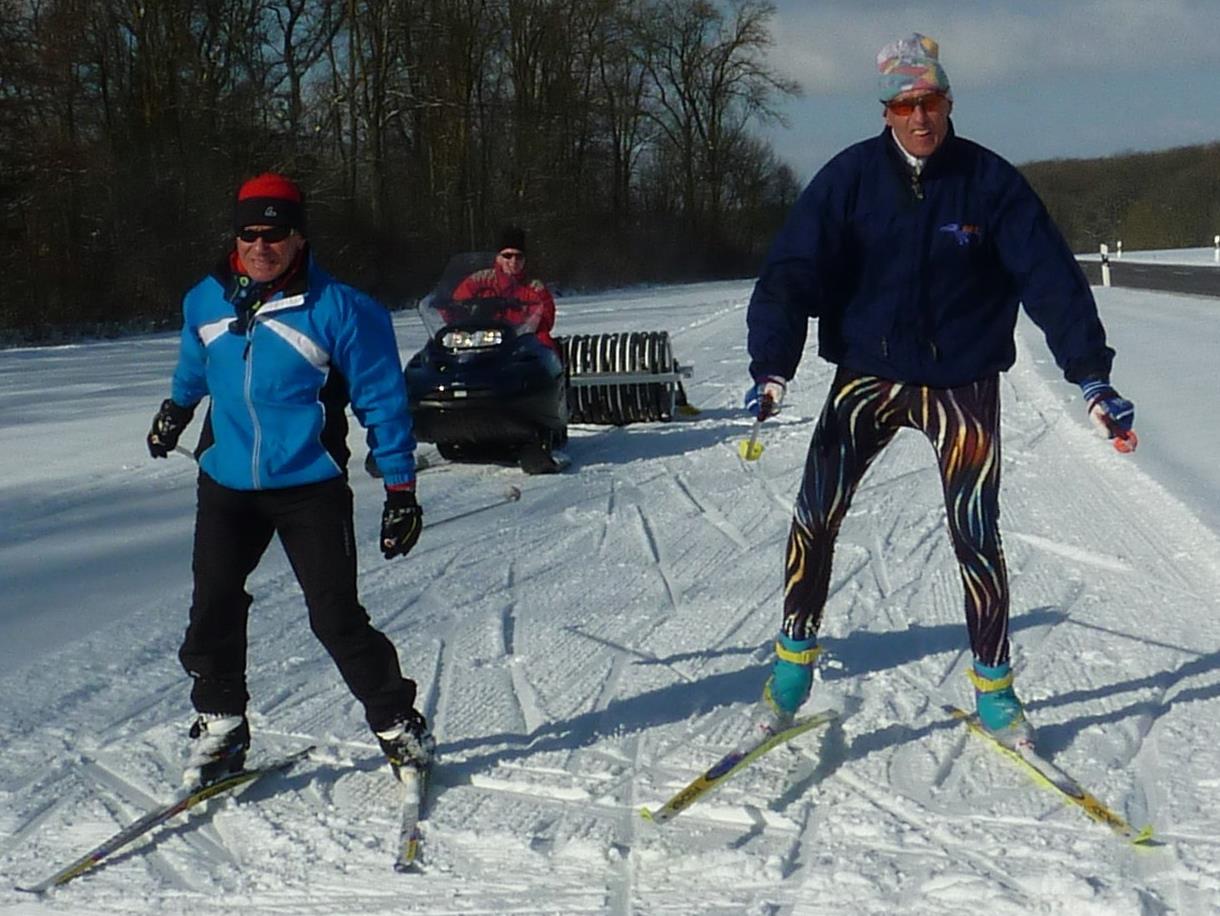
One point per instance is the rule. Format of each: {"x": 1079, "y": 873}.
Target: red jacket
{"x": 532, "y": 297}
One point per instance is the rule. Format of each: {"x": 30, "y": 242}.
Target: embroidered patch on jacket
{"x": 964, "y": 233}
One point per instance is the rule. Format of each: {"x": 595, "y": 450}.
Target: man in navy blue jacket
{"x": 914, "y": 250}
{"x": 281, "y": 349}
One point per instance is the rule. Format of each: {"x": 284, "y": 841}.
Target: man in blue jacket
{"x": 913, "y": 250}
{"x": 281, "y": 349}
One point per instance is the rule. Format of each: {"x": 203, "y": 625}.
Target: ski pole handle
{"x": 1124, "y": 440}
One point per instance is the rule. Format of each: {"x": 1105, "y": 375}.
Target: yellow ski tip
{"x": 689, "y": 410}
{"x": 750, "y": 450}
{"x": 1144, "y": 837}
{"x": 646, "y": 813}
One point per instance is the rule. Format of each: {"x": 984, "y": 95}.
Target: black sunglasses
{"x": 513, "y": 255}
{"x": 270, "y": 236}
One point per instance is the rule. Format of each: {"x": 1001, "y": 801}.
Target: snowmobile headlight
{"x": 473, "y": 340}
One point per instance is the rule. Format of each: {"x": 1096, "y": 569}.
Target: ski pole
{"x": 185, "y": 451}
{"x": 751, "y": 449}
{"x": 510, "y": 495}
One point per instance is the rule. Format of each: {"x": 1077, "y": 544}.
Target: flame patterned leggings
{"x": 861, "y": 416}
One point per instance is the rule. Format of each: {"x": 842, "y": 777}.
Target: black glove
{"x": 167, "y": 426}
{"x": 401, "y": 522}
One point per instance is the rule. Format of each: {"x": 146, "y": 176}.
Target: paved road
{"x": 1172, "y": 278}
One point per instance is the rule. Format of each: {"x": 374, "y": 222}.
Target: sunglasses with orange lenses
{"x": 934, "y": 103}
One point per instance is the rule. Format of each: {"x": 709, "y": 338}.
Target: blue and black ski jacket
{"x": 280, "y": 379}
{"x": 918, "y": 278}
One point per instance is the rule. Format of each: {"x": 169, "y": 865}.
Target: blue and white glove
{"x": 765, "y": 396}
{"x": 1112, "y": 414}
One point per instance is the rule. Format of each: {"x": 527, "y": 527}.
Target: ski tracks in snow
{"x": 596, "y": 645}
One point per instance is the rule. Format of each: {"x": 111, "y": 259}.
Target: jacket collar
{"x": 246, "y": 295}
{"x": 898, "y": 155}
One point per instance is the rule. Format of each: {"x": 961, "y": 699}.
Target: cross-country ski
{"x": 155, "y": 818}
{"x": 730, "y": 765}
{"x": 1047, "y": 774}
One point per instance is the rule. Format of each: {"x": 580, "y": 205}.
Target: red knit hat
{"x": 269, "y": 200}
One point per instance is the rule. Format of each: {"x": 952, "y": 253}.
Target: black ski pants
{"x": 314, "y": 522}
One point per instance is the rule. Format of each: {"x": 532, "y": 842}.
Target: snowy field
{"x": 589, "y": 649}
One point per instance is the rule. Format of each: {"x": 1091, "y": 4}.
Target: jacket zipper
{"x": 249, "y": 397}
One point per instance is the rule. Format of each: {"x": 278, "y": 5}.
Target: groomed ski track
{"x": 592, "y": 647}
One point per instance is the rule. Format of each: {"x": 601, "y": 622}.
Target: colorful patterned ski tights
{"x": 861, "y": 416}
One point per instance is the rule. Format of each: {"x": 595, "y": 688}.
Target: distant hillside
{"x": 1169, "y": 199}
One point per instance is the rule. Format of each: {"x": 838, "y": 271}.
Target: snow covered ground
{"x": 587, "y": 650}
{"x": 1192, "y": 257}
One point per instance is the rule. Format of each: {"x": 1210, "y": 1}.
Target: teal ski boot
{"x": 1000, "y": 712}
{"x": 787, "y": 688}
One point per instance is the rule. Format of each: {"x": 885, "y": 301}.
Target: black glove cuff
{"x": 400, "y": 499}
{"x": 179, "y": 414}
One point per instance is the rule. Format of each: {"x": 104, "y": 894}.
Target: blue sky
{"x": 1031, "y": 79}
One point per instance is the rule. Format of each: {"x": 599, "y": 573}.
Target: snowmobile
{"x": 484, "y": 388}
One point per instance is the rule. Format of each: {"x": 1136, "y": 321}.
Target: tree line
{"x": 1167, "y": 199}
{"x": 618, "y": 132}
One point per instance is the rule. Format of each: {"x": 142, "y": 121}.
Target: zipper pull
{"x": 251, "y": 321}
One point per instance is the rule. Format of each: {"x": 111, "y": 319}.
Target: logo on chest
{"x": 964, "y": 234}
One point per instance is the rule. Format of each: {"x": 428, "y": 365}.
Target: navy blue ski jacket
{"x": 281, "y": 379}
{"x": 918, "y": 279}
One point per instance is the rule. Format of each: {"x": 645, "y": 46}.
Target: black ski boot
{"x": 218, "y": 747}
{"x": 408, "y": 744}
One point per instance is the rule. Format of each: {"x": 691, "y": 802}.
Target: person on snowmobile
{"x": 506, "y": 279}
{"x": 281, "y": 348}
{"x": 913, "y": 250}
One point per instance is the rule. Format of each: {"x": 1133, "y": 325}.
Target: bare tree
{"x": 709, "y": 81}
{"x": 623, "y": 82}
{"x": 302, "y": 33}
{"x": 415, "y": 125}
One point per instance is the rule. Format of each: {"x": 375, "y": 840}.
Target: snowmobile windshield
{"x": 471, "y": 307}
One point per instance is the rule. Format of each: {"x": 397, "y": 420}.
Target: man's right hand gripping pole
{"x": 762, "y": 400}
{"x": 1111, "y": 413}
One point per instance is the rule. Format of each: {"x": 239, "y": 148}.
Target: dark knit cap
{"x": 512, "y": 237}
{"x": 269, "y": 200}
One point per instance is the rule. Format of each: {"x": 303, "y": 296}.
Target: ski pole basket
{"x": 616, "y": 379}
